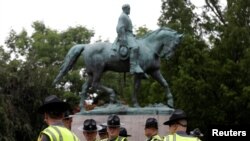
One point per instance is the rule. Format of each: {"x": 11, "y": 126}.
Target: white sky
{"x": 99, "y": 15}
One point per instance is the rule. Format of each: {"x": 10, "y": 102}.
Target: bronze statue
{"x": 127, "y": 39}
{"x": 100, "y": 57}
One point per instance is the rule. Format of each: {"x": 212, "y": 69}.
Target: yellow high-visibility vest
{"x": 176, "y": 137}
{"x": 119, "y": 138}
{"x": 59, "y": 133}
{"x": 156, "y": 138}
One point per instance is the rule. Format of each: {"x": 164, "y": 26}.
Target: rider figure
{"x": 127, "y": 39}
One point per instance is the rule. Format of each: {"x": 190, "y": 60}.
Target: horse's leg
{"x": 137, "y": 84}
{"x": 97, "y": 86}
{"x": 84, "y": 91}
{"x": 159, "y": 78}
{"x": 112, "y": 95}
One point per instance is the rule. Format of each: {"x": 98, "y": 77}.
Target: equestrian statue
{"x": 140, "y": 57}
{"x": 100, "y": 57}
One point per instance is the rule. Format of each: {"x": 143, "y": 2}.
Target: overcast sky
{"x": 99, "y": 15}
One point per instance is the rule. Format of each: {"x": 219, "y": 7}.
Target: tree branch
{"x": 216, "y": 10}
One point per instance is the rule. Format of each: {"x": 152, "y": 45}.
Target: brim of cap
{"x": 151, "y": 127}
{"x": 70, "y": 116}
{"x": 102, "y": 132}
{"x": 172, "y": 121}
{"x": 114, "y": 126}
{"x": 105, "y": 124}
{"x": 126, "y": 135}
{"x": 80, "y": 128}
{"x": 59, "y": 106}
{"x": 167, "y": 122}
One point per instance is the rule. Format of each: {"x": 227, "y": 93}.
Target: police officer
{"x": 127, "y": 39}
{"x": 53, "y": 110}
{"x": 151, "y": 130}
{"x": 177, "y": 127}
{"x": 113, "y": 128}
{"x": 90, "y": 130}
{"x": 67, "y": 120}
{"x": 123, "y": 132}
{"x": 102, "y": 132}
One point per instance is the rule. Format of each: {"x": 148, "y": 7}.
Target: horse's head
{"x": 168, "y": 40}
{"x": 163, "y": 41}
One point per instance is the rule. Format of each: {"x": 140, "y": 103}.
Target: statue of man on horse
{"x": 144, "y": 58}
{"x": 126, "y": 39}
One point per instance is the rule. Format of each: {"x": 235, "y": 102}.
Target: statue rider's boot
{"x": 134, "y": 64}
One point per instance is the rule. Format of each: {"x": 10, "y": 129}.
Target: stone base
{"x": 125, "y": 110}
{"x": 132, "y": 119}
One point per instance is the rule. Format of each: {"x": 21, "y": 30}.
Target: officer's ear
{"x": 46, "y": 116}
{"x": 176, "y": 126}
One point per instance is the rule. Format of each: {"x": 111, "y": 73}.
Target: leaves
{"x": 27, "y": 79}
{"x": 210, "y": 75}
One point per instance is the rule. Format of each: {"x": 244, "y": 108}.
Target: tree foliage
{"x": 208, "y": 74}
{"x": 210, "y": 69}
{"x": 27, "y": 78}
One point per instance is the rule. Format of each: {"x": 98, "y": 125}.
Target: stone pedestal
{"x": 134, "y": 121}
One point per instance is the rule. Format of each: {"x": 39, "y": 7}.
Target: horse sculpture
{"x": 100, "y": 57}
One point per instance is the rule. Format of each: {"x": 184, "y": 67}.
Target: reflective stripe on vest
{"x": 58, "y": 133}
{"x": 176, "y": 137}
{"x": 156, "y": 138}
{"x": 119, "y": 138}
{"x": 50, "y": 133}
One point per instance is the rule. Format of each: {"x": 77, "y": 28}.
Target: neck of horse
{"x": 153, "y": 44}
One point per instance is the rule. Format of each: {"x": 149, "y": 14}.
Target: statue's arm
{"x": 121, "y": 30}
{"x": 122, "y": 37}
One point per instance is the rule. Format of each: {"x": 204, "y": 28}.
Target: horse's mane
{"x": 156, "y": 31}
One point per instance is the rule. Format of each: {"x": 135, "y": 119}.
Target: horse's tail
{"x": 69, "y": 61}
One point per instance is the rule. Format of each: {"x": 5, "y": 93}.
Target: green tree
{"x": 27, "y": 79}
{"x": 210, "y": 69}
